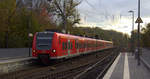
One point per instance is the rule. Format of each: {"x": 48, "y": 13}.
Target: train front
{"x": 42, "y": 46}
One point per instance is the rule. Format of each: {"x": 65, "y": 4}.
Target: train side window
{"x": 66, "y": 45}
{"x": 75, "y": 44}
{"x": 83, "y": 45}
{"x": 70, "y": 45}
{"x": 78, "y": 45}
{"x": 101, "y": 44}
{"x": 59, "y": 40}
{"x": 63, "y": 46}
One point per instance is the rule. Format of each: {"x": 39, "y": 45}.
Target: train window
{"x": 59, "y": 40}
{"x": 101, "y": 44}
{"x": 79, "y": 45}
{"x": 68, "y": 45}
{"x": 44, "y": 40}
{"x": 76, "y": 44}
{"x": 63, "y": 46}
{"x": 84, "y": 45}
{"x": 71, "y": 45}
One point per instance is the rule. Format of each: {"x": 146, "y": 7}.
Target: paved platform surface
{"x": 125, "y": 67}
{"x": 5, "y": 61}
{"x": 11, "y": 65}
{"x": 146, "y": 55}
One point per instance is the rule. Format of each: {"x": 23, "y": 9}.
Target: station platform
{"x": 125, "y": 67}
{"x": 146, "y": 55}
{"x": 12, "y": 60}
{"x": 12, "y": 64}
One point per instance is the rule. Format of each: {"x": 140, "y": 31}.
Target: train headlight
{"x": 53, "y": 50}
{"x": 34, "y": 51}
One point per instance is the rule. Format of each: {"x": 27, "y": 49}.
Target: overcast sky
{"x": 112, "y": 14}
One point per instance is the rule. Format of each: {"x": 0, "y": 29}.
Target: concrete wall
{"x": 14, "y": 52}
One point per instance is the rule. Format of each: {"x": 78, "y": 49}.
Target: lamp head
{"x": 131, "y": 11}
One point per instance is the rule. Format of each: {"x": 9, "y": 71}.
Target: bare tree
{"x": 66, "y": 12}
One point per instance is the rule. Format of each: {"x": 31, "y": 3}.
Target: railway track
{"x": 61, "y": 70}
{"x": 97, "y": 70}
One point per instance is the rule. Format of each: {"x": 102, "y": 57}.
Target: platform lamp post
{"x": 30, "y": 25}
{"x": 30, "y": 36}
{"x": 133, "y": 42}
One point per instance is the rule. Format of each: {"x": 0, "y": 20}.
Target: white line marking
{"x": 126, "y": 74}
{"x": 111, "y": 69}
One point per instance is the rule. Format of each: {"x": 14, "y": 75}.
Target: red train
{"x": 53, "y": 45}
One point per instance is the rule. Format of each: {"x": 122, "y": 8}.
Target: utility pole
{"x": 29, "y": 26}
{"x": 65, "y": 18}
{"x": 139, "y": 20}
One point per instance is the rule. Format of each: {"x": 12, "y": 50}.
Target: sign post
{"x": 139, "y": 20}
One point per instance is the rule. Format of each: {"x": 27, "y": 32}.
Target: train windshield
{"x": 44, "y": 40}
